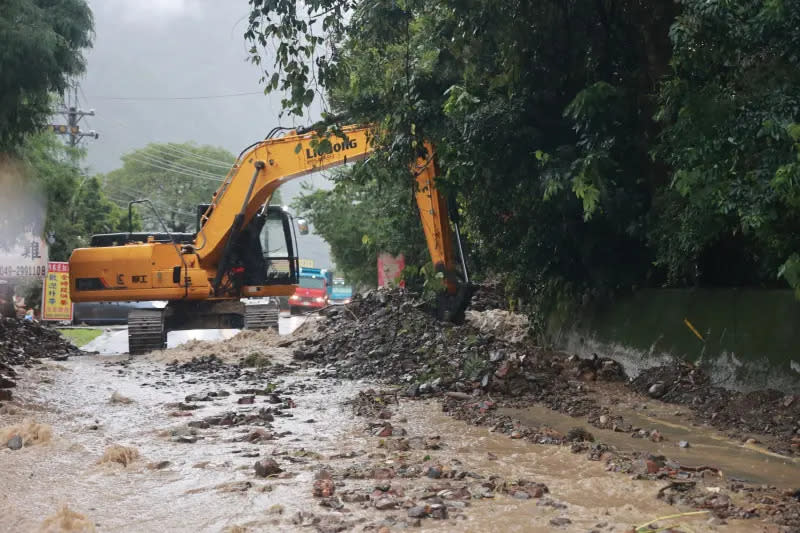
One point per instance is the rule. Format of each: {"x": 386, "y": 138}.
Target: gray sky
{"x": 149, "y": 49}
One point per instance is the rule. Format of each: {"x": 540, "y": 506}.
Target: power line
{"x": 168, "y": 150}
{"x": 174, "y": 171}
{"x": 135, "y": 195}
{"x": 177, "y": 166}
{"x": 169, "y": 98}
{"x": 159, "y": 206}
{"x": 200, "y": 158}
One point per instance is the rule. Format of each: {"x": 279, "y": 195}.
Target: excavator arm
{"x": 267, "y": 165}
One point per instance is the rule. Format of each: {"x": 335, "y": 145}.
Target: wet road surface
{"x": 202, "y": 478}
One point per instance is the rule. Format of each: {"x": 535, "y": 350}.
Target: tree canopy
{"x": 175, "y": 177}
{"x": 592, "y": 144}
{"x": 41, "y": 48}
{"x": 361, "y": 217}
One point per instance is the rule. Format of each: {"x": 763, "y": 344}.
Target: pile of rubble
{"x": 23, "y": 343}
{"x": 765, "y": 411}
{"x": 388, "y": 336}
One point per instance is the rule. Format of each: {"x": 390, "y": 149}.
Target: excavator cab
{"x": 279, "y": 247}
{"x": 263, "y": 265}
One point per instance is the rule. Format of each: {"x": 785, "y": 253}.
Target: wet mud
{"x": 254, "y": 435}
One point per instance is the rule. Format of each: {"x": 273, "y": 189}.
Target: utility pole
{"x": 70, "y": 109}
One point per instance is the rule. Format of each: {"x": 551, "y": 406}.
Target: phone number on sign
{"x": 20, "y": 271}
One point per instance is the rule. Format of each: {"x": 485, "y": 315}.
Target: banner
{"x": 56, "y": 303}
{"x": 390, "y": 269}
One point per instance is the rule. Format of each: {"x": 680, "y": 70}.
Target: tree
{"x": 41, "y": 48}
{"x": 363, "y": 216}
{"x": 731, "y": 137}
{"x": 175, "y": 177}
{"x": 593, "y": 144}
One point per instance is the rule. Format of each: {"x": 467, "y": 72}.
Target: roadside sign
{"x": 56, "y": 303}
{"x": 27, "y": 258}
{"x": 306, "y": 263}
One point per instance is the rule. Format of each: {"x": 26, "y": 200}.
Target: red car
{"x": 311, "y": 294}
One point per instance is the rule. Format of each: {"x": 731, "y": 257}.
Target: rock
{"x": 6, "y": 383}
{"x": 412, "y": 391}
{"x": 579, "y": 434}
{"x": 198, "y": 398}
{"x": 186, "y": 439}
{"x": 434, "y": 472}
{"x": 560, "y": 521}
{"x": 521, "y": 495}
{"x": 267, "y": 467}
{"x": 385, "y": 503}
{"x": 603, "y": 420}
{"x": 417, "y": 512}
{"x": 119, "y": 398}
{"x": 458, "y": 395}
{"x": 5, "y": 395}
{"x": 246, "y": 400}
{"x": 323, "y": 488}
{"x": 385, "y": 431}
{"x": 15, "y": 442}
{"x": 683, "y": 444}
{"x": 657, "y": 390}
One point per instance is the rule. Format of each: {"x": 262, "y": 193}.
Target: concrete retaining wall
{"x": 746, "y": 338}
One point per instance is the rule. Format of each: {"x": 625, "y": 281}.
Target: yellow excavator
{"x": 244, "y": 248}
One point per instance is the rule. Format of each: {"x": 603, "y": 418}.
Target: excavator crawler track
{"x": 146, "y": 331}
{"x": 261, "y": 316}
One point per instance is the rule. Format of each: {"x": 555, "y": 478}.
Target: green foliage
{"x": 591, "y": 144}
{"x": 41, "y": 48}
{"x": 730, "y": 113}
{"x": 175, "y": 177}
{"x": 365, "y": 214}
{"x": 81, "y": 336}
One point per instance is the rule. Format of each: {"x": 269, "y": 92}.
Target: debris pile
{"x": 23, "y": 342}
{"x": 767, "y": 411}
{"x": 388, "y": 336}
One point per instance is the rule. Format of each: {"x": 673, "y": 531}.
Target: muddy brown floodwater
{"x": 202, "y": 479}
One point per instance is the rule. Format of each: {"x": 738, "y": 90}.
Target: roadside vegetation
{"x": 592, "y": 146}
{"x": 80, "y": 336}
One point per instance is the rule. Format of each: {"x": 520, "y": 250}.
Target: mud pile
{"x": 22, "y": 343}
{"x": 389, "y": 336}
{"x": 767, "y": 411}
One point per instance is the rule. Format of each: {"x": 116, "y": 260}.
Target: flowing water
{"x": 209, "y": 485}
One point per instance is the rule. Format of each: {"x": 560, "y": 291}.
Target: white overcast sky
{"x": 178, "y": 48}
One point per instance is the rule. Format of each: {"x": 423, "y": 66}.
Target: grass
{"x": 81, "y": 336}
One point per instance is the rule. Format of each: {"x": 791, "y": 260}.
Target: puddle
{"x": 706, "y": 446}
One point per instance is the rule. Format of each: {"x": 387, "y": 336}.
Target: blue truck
{"x": 341, "y": 293}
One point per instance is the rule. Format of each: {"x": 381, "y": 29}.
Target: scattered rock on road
{"x": 267, "y": 467}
